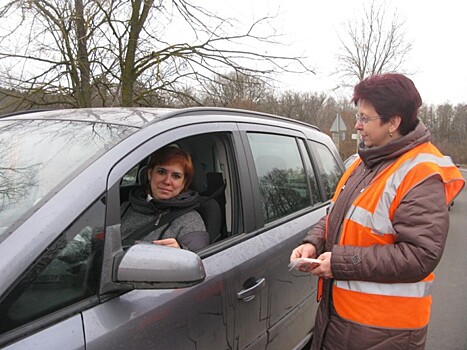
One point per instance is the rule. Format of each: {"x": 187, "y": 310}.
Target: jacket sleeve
{"x": 316, "y": 235}
{"x": 421, "y": 223}
{"x": 192, "y": 234}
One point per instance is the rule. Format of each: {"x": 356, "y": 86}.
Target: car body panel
{"x": 67, "y": 334}
{"x": 202, "y": 306}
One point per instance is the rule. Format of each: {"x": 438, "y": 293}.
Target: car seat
{"x": 210, "y": 209}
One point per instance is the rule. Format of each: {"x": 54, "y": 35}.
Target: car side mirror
{"x": 150, "y": 266}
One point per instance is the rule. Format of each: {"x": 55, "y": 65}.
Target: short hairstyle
{"x": 173, "y": 155}
{"x": 391, "y": 94}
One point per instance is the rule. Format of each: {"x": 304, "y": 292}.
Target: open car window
{"x": 211, "y": 154}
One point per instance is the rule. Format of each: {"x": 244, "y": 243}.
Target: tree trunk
{"x": 84, "y": 87}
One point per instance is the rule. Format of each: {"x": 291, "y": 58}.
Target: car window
{"x": 281, "y": 175}
{"x": 328, "y": 166}
{"x": 210, "y": 154}
{"x": 130, "y": 178}
{"x": 66, "y": 273}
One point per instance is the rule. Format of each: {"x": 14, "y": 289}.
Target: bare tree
{"x": 458, "y": 141}
{"x": 448, "y": 127}
{"x": 445, "y": 115}
{"x": 45, "y": 55}
{"x": 89, "y": 52}
{"x": 236, "y": 91}
{"x": 372, "y": 44}
{"x": 303, "y": 106}
{"x": 429, "y": 117}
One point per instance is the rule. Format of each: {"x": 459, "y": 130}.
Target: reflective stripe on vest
{"x": 369, "y": 222}
{"x": 417, "y": 289}
{"x": 380, "y": 219}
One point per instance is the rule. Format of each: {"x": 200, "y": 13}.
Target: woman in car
{"x": 159, "y": 211}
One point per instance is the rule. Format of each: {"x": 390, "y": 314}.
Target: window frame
{"x": 280, "y": 130}
{"x": 240, "y": 213}
{"x": 279, "y": 197}
{"x": 316, "y": 159}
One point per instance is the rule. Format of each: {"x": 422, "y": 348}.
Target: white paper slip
{"x": 304, "y": 262}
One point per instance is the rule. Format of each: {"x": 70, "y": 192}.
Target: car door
{"x": 288, "y": 201}
{"x": 199, "y": 317}
{"x": 71, "y": 337}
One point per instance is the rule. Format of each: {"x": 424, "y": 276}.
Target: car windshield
{"x": 36, "y": 156}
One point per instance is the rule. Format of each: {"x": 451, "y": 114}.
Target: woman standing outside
{"x": 386, "y": 228}
{"x": 169, "y": 174}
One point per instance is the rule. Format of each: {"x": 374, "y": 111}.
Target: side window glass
{"x": 315, "y": 194}
{"x": 328, "y": 167}
{"x": 281, "y": 175}
{"x": 130, "y": 178}
{"x": 67, "y": 272}
{"x": 128, "y": 182}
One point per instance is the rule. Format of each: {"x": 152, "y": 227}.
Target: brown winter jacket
{"x": 421, "y": 223}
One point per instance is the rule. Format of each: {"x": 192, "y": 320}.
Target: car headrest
{"x": 199, "y": 183}
{"x": 143, "y": 175}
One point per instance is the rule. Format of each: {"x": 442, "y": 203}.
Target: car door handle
{"x": 252, "y": 286}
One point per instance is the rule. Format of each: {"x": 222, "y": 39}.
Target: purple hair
{"x": 391, "y": 94}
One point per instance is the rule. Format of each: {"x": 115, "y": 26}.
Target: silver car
{"x": 350, "y": 160}
{"x": 67, "y": 281}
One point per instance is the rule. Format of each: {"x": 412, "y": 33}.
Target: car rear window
{"x": 281, "y": 175}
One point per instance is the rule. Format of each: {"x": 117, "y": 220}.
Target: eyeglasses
{"x": 363, "y": 119}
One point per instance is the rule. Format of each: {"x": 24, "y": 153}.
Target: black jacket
{"x": 188, "y": 229}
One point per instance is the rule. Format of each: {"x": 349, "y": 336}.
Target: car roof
{"x": 136, "y": 116}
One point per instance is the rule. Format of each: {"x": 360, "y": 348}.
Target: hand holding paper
{"x": 304, "y": 264}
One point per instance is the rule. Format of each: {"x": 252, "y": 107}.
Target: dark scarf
{"x": 139, "y": 203}
{"x": 393, "y": 149}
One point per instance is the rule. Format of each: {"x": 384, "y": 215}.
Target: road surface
{"x": 448, "y": 325}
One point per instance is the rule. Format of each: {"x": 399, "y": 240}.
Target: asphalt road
{"x": 448, "y": 325}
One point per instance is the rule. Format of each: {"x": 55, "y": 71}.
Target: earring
{"x": 390, "y": 133}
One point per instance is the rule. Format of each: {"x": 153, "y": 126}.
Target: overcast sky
{"x": 436, "y": 29}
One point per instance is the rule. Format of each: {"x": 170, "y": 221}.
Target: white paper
{"x": 307, "y": 263}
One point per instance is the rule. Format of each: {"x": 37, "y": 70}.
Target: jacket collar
{"x": 138, "y": 200}
{"x": 374, "y": 155}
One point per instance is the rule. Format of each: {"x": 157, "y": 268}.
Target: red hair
{"x": 391, "y": 94}
{"x": 173, "y": 155}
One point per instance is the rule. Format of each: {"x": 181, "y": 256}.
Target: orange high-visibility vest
{"x": 369, "y": 222}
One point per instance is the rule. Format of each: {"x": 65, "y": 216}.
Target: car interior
{"x": 212, "y": 181}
